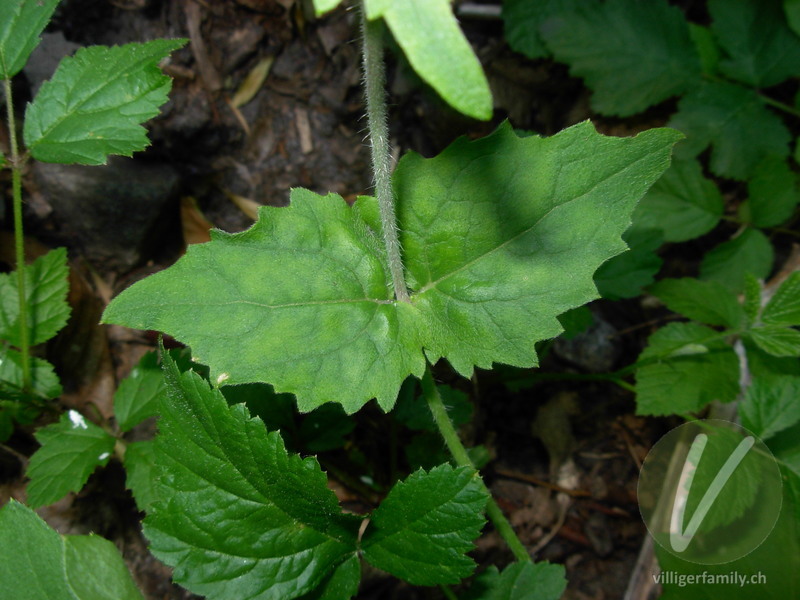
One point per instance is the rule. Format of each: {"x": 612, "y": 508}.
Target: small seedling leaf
{"x": 93, "y": 105}
{"x": 423, "y": 529}
{"x": 138, "y": 394}
{"x": 434, "y": 45}
{"x": 771, "y": 405}
{"x": 737, "y": 125}
{"x": 761, "y": 49}
{"x": 751, "y": 252}
{"x": 689, "y": 366}
{"x": 70, "y": 450}
{"x": 21, "y": 23}
{"x": 239, "y": 516}
{"x": 682, "y": 203}
{"x": 708, "y": 302}
{"x": 519, "y": 581}
{"x": 37, "y": 562}
{"x": 46, "y": 287}
{"x": 631, "y": 54}
{"x": 784, "y": 307}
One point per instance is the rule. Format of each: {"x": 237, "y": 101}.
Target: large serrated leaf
{"x": 762, "y": 49}
{"x": 500, "y": 235}
{"x": 70, "y": 450}
{"x": 46, "y": 287}
{"x": 632, "y": 54}
{"x": 689, "y": 366}
{"x": 735, "y": 122}
{"x": 784, "y": 307}
{"x": 239, "y": 516}
{"x": 21, "y": 23}
{"x": 44, "y": 381}
{"x": 38, "y": 563}
{"x": 777, "y": 341}
{"x": 434, "y": 45}
{"x": 423, "y": 529}
{"x": 94, "y": 103}
{"x": 519, "y": 581}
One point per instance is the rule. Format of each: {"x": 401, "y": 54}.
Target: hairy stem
{"x": 459, "y": 453}
{"x": 375, "y": 92}
{"x": 19, "y": 240}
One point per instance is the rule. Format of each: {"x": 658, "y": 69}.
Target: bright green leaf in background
{"x": 94, "y": 103}
{"x": 323, "y": 6}
{"x": 501, "y": 235}
{"x": 762, "y": 50}
{"x": 689, "y": 366}
{"x": 683, "y": 204}
{"x": 771, "y": 405}
{"x": 46, "y": 287}
{"x": 708, "y": 302}
{"x": 21, "y": 23}
{"x": 631, "y": 54}
{"x": 519, "y": 581}
{"x": 434, "y": 45}
{"x": 784, "y": 306}
{"x": 38, "y": 563}
{"x": 737, "y": 125}
{"x": 239, "y": 517}
{"x": 773, "y": 194}
{"x": 70, "y": 450}
{"x": 423, "y": 529}
{"x": 730, "y": 262}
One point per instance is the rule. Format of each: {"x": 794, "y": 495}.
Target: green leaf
{"x": 489, "y": 229}
{"x": 689, "y": 366}
{"x": 773, "y": 194}
{"x": 752, "y": 298}
{"x": 36, "y": 562}
{"x": 737, "y": 125}
{"x": 325, "y": 428}
{"x": 778, "y": 341}
{"x": 709, "y": 302}
{"x": 762, "y": 50}
{"x": 784, "y": 307}
{"x": 434, "y": 45}
{"x": 682, "y": 204}
{"x": 46, "y": 287}
{"x": 44, "y": 381}
{"x": 94, "y": 103}
{"x": 771, "y": 405}
{"x": 729, "y": 263}
{"x": 323, "y": 6}
{"x": 576, "y": 321}
{"x": 706, "y": 46}
{"x": 138, "y": 394}
{"x": 70, "y": 451}
{"x": 413, "y": 412}
{"x": 423, "y": 529}
{"x": 239, "y": 517}
{"x": 519, "y": 581}
{"x": 763, "y": 364}
{"x": 521, "y": 22}
{"x": 21, "y": 23}
{"x": 341, "y": 585}
{"x": 625, "y": 275}
{"x": 631, "y": 54}
{"x": 140, "y": 469}
{"x": 792, "y": 10}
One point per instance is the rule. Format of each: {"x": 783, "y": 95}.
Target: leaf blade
{"x": 21, "y": 23}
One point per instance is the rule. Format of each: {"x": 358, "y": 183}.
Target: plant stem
{"x": 19, "y": 240}
{"x": 375, "y": 92}
{"x": 459, "y": 453}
